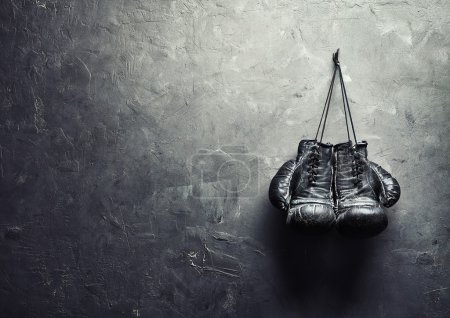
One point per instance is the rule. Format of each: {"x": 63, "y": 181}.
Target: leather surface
{"x": 279, "y": 190}
{"x": 362, "y": 187}
{"x": 389, "y": 191}
{"x": 312, "y": 217}
{"x": 361, "y": 221}
{"x": 302, "y": 187}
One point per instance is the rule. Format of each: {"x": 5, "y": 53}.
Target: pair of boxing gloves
{"x": 334, "y": 185}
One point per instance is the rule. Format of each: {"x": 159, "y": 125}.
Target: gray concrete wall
{"x": 110, "y": 207}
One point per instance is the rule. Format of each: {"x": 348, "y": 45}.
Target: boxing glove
{"x": 362, "y": 189}
{"x": 302, "y": 188}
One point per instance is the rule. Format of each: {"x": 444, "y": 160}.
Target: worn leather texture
{"x": 362, "y": 188}
{"x": 326, "y": 180}
{"x": 302, "y": 188}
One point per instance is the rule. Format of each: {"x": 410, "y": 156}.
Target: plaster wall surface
{"x": 138, "y": 140}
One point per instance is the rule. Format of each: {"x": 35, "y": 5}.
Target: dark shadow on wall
{"x": 318, "y": 275}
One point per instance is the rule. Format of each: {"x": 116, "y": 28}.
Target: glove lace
{"x": 357, "y": 167}
{"x": 313, "y": 164}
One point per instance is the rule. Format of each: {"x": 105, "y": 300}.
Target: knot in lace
{"x": 357, "y": 167}
{"x": 313, "y": 163}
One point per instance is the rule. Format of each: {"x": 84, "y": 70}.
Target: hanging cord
{"x": 314, "y": 158}
{"x": 326, "y": 108}
{"x": 344, "y": 94}
{"x": 327, "y": 105}
{"x": 336, "y": 61}
{"x": 357, "y": 162}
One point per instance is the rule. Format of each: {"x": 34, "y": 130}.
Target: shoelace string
{"x": 313, "y": 164}
{"x": 357, "y": 166}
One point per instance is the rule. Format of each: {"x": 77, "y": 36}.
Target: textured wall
{"x": 120, "y": 121}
